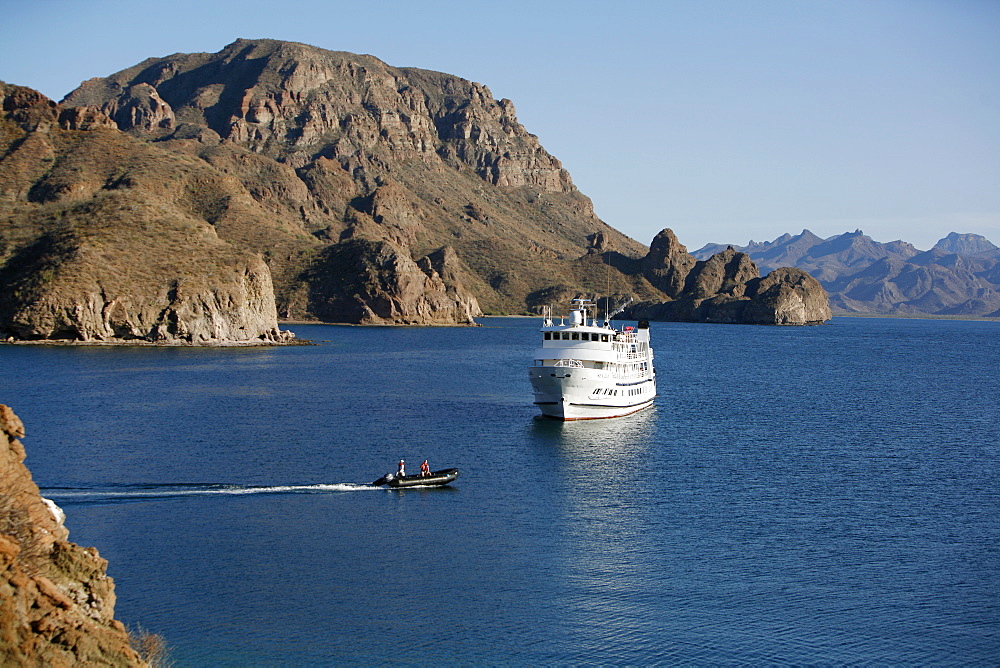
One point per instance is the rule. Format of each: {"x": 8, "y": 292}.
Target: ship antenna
{"x": 607, "y": 289}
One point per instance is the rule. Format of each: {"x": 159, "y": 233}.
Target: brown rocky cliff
{"x": 56, "y": 600}
{"x": 293, "y": 101}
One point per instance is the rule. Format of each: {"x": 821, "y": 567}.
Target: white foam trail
{"x": 207, "y": 490}
{"x": 282, "y": 489}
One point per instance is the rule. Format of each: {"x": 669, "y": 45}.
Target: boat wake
{"x": 71, "y": 495}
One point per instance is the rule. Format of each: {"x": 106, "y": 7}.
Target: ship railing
{"x": 573, "y": 364}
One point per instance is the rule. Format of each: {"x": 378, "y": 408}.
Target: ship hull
{"x": 578, "y": 395}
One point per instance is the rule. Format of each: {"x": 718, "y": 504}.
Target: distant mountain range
{"x": 959, "y": 276}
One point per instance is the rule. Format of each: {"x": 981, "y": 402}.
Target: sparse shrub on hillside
{"x": 152, "y": 647}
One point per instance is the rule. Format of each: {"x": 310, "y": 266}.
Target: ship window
{"x": 576, "y": 336}
{"x": 585, "y": 336}
{"x": 604, "y": 338}
{"x": 548, "y": 336}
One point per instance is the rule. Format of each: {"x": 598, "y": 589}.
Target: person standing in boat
{"x": 402, "y": 469}
{"x": 425, "y": 469}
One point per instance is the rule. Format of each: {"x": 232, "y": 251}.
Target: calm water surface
{"x": 797, "y": 495}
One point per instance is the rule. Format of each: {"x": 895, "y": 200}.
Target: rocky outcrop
{"x": 233, "y": 306}
{"x": 56, "y": 600}
{"x": 140, "y": 107}
{"x": 376, "y": 283}
{"x": 667, "y": 264}
{"x": 786, "y": 296}
{"x": 726, "y": 288}
{"x": 85, "y": 118}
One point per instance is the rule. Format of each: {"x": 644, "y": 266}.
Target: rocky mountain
{"x": 958, "y": 277}
{"x": 339, "y": 146}
{"x": 56, "y": 600}
{"x": 198, "y": 198}
{"x": 727, "y": 287}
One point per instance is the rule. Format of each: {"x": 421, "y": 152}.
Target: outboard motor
{"x": 384, "y": 480}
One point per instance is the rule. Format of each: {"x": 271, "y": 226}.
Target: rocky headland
{"x": 56, "y": 600}
{"x": 202, "y": 198}
{"x": 727, "y": 288}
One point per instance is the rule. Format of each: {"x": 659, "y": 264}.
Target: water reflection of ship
{"x": 590, "y": 443}
{"x": 585, "y": 370}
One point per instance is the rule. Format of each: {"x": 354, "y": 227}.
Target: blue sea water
{"x": 819, "y": 495}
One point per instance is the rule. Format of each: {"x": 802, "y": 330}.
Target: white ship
{"x": 585, "y": 370}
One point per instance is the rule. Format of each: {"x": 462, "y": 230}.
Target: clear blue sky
{"x": 724, "y": 120}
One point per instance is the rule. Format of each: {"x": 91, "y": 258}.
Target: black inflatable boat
{"x": 435, "y": 479}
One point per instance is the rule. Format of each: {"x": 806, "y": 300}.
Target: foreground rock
{"x": 727, "y": 288}
{"x": 56, "y": 600}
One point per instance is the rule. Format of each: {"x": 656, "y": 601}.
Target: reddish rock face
{"x": 56, "y": 600}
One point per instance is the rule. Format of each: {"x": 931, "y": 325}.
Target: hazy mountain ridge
{"x": 959, "y": 276}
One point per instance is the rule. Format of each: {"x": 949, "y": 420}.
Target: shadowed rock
{"x": 727, "y": 288}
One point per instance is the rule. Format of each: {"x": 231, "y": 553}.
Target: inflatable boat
{"x": 435, "y": 479}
